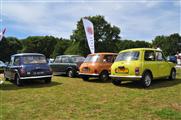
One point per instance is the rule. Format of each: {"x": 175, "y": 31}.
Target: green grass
{"x": 74, "y": 99}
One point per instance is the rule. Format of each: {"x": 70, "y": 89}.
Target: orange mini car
{"x": 97, "y": 65}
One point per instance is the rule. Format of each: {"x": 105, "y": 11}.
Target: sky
{"x": 137, "y": 19}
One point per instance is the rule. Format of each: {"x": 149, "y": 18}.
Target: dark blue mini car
{"x": 28, "y": 66}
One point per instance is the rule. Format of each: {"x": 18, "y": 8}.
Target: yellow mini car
{"x": 143, "y": 64}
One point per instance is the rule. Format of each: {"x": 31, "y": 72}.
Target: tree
{"x": 60, "y": 47}
{"x": 40, "y": 44}
{"x": 169, "y": 44}
{"x": 8, "y": 47}
{"x": 105, "y": 37}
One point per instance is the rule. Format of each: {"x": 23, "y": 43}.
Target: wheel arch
{"x": 148, "y": 70}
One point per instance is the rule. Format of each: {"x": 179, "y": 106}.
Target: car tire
{"x": 172, "y": 74}
{"x": 18, "y": 81}
{"x": 48, "y": 80}
{"x": 116, "y": 82}
{"x": 85, "y": 78}
{"x": 146, "y": 79}
{"x": 71, "y": 73}
{"x": 104, "y": 76}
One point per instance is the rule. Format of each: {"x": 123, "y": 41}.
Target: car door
{"x": 163, "y": 66}
{"x": 150, "y": 63}
{"x": 107, "y": 61}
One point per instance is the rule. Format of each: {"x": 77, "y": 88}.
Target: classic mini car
{"x": 143, "y": 64}
{"x": 28, "y": 66}
{"x": 97, "y": 65}
{"x": 67, "y": 64}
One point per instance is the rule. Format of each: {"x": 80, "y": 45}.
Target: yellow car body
{"x": 141, "y": 64}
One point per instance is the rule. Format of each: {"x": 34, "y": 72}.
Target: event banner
{"x": 89, "y": 30}
{"x": 2, "y": 34}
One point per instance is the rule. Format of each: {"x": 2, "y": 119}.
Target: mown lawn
{"x": 74, "y": 99}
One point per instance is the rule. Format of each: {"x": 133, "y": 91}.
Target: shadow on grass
{"x": 28, "y": 84}
{"x": 156, "y": 84}
{"x": 96, "y": 80}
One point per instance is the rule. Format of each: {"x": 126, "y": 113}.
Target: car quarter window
{"x": 16, "y": 61}
{"x": 149, "y": 55}
{"x": 109, "y": 58}
{"x": 159, "y": 56}
{"x": 65, "y": 59}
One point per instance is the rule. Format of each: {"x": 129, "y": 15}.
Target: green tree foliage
{"x": 127, "y": 44}
{"x": 169, "y": 44}
{"x": 105, "y": 37}
{"x": 8, "y": 47}
{"x": 40, "y": 44}
{"x": 61, "y": 47}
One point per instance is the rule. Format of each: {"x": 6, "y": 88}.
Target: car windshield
{"x": 127, "y": 56}
{"x": 92, "y": 58}
{"x": 36, "y": 59}
{"x": 78, "y": 59}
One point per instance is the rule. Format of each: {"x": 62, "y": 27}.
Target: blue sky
{"x": 137, "y": 19}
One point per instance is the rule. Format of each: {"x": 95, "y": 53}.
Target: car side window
{"x": 16, "y": 61}
{"x": 149, "y": 56}
{"x": 108, "y": 58}
{"x": 159, "y": 56}
{"x": 65, "y": 60}
{"x": 57, "y": 60}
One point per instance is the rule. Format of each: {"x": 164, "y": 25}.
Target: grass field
{"x": 73, "y": 99}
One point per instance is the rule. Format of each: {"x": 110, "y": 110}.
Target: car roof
{"x": 24, "y": 54}
{"x": 104, "y": 53}
{"x": 69, "y": 56}
{"x": 140, "y": 49}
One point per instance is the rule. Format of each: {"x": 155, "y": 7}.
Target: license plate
{"x": 38, "y": 73}
{"x": 122, "y": 70}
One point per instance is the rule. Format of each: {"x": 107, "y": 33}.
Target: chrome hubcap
{"x": 147, "y": 80}
{"x": 70, "y": 73}
{"x": 173, "y": 75}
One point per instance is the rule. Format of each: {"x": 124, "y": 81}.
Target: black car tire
{"x": 104, "y": 76}
{"x": 18, "y": 81}
{"x": 146, "y": 79}
{"x": 116, "y": 82}
{"x": 71, "y": 73}
{"x": 172, "y": 74}
{"x": 85, "y": 78}
{"x": 48, "y": 80}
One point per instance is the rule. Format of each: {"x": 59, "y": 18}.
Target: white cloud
{"x": 137, "y": 20}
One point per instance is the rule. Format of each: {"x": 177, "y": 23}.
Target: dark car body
{"x": 67, "y": 64}
{"x": 28, "y": 66}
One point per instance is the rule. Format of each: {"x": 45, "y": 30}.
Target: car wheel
{"x": 104, "y": 76}
{"x": 48, "y": 80}
{"x": 172, "y": 75}
{"x": 146, "y": 79}
{"x": 18, "y": 81}
{"x": 71, "y": 73}
{"x": 116, "y": 82}
{"x": 85, "y": 78}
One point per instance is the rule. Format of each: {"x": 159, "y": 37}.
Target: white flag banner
{"x": 89, "y": 31}
{"x": 2, "y": 34}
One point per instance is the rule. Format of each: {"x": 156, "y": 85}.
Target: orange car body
{"x": 97, "y": 63}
